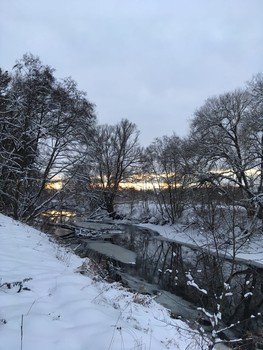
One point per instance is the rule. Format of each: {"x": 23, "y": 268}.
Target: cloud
{"x": 149, "y": 61}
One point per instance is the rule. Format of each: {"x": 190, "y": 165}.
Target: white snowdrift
{"x": 46, "y": 304}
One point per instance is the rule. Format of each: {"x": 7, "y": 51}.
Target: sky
{"x": 153, "y": 62}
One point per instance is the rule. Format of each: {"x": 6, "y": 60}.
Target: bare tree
{"x": 255, "y": 128}
{"x": 166, "y": 163}
{"x": 227, "y": 137}
{"x": 41, "y": 127}
{"x": 114, "y": 157}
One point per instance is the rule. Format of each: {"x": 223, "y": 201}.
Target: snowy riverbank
{"x": 46, "y": 303}
{"x": 248, "y": 250}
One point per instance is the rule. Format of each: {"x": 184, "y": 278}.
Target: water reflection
{"x": 167, "y": 264}
{"x": 162, "y": 266}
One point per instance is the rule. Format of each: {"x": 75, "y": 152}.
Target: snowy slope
{"x": 61, "y": 309}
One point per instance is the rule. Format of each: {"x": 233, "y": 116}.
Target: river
{"x": 148, "y": 263}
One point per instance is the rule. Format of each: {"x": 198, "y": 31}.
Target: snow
{"x": 61, "y": 305}
{"x": 184, "y": 232}
{"x": 114, "y": 251}
{"x": 248, "y": 251}
{"x": 192, "y": 283}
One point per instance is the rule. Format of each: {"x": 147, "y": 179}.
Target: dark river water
{"x": 148, "y": 263}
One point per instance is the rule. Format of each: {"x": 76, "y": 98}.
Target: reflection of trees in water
{"x": 219, "y": 280}
{"x": 161, "y": 262}
{"x": 166, "y": 263}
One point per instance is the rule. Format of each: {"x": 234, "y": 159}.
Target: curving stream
{"x": 148, "y": 263}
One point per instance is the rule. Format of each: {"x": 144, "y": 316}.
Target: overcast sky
{"x": 153, "y": 62}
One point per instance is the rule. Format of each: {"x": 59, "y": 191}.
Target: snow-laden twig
{"x": 192, "y": 283}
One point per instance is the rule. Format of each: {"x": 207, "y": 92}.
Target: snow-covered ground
{"x": 46, "y": 303}
{"x": 249, "y": 250}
